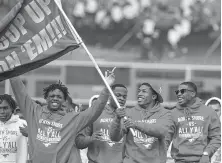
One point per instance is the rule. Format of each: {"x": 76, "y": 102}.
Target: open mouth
{"x": 55, "y": 104}
{"x": 180, "y": 99}
{"x": 139, "y": 99}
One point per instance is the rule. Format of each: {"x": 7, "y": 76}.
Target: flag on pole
{"x": 36, "y": 35}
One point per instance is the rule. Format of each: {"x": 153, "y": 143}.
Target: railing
{"x": 167, "y": 76}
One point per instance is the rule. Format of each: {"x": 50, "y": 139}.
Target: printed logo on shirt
{"x": 49, "y": 133}
{"x": 190, "y": 130}
{"x": 106, "y": 138}
{"x": 143, "y": 139}
{"x": 150, "y": 121}
{"x": 8, "y": 138}
{"x": 106, "y": 120}
{"x": 105, "y": 131}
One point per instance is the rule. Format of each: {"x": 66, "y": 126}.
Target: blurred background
{"x": 163, "y": 42}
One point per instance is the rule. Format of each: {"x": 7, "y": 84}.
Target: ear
{"x": 47, "y": 99}
{"x": 154, "y": 97}
{"x": 193, "y": 94}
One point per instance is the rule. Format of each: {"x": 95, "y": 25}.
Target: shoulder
{"x": 164, "y": 110}
{"x": 165, "y": 113}
{"x": 130, "y": 110}
{"x": 207, "y": 110}
{"x": 174, "y": 111}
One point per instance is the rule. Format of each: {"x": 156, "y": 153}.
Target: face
{"x": 184, "y": 95}
{"x": 216, "y": 108}
{"x": 5, "y": 111}
{"x": 121, "y": 95}
{"x": 145, "y": 95}
{"x": 55, "y": 100}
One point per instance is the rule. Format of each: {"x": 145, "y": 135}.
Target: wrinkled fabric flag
{"x": 36, "y": 33}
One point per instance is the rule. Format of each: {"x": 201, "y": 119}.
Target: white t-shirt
{"x": 9, "y": 135}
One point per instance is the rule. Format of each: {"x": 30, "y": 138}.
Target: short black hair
{"x": 9, "y": 100}
{"x": 214, "y": 102}
{"x": 191, "y": 85}
{"x": 55, "y": 86}
{"x": 118, "y": 85}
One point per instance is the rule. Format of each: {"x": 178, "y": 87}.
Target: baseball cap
{"x": 159, "y": 97}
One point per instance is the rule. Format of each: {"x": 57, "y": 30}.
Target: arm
{"x": 214, "y": 134}
{"x": 91, "y": 114}
{"x": 171, "y": 131}
{"x": 83, "y": 139}
{"x": 158, "y": 129}
{"x": 22, "y": 151}
{"x": 116, "y": 130}
{"x": 26, "y": 104}
{"x": 170, "y": 134}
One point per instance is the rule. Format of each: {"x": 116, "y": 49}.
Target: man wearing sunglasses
{"x": 195, "y": 129}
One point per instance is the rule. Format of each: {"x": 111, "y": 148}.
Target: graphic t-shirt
{"x": 9, "y": 135}
{"x": 103, "y": 150}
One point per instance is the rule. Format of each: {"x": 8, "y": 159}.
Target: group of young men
{"x": 141, "y": 134}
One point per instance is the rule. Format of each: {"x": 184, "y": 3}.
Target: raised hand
{"x": 110, "y": 77}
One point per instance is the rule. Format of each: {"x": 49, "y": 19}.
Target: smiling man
{"x": 96, "y": 137}
{"x": 52, "y": 131}
{"x": 195, "y": 129}
{"x": 148, "y": 120}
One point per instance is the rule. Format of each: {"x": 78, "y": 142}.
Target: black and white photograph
{"x": 110, "y": 81}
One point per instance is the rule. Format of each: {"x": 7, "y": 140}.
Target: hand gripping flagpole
{"x": 79, "y": 40}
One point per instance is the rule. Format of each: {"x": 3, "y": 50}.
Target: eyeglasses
{"x": 182, "y": 91}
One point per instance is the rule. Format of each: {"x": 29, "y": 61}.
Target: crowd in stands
{"x": 162, "y": 24}
{"x": 168, "y": 20}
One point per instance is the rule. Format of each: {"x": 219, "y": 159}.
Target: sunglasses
{"x": 182, "y": 91}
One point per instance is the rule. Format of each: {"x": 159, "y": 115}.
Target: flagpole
{"x": 76, "y": 35}
{"x": 7, "y": 86}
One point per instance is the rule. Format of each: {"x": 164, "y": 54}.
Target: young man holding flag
{"x": 144, "y": 128}
{"x": 51, "y": 131}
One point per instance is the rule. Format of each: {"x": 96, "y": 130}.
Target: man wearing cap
{"x": 144, "y": 128}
